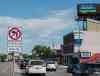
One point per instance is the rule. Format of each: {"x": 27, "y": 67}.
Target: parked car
{"x": 51, "y": 66}
{"x": 36, "y": 67}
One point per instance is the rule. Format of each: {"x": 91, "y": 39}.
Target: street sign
{"x": 15, "y": 49}
{"x": 14, "y": 43}
{"x": 14, "y": 39}
{"x": 14, "y": 33}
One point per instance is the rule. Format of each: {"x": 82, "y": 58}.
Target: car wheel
{"x": 43, "y": 74}
{"x": 54, "y": 69}
{"x": 84, "y": 74}
{"x": 47, "y": 69}
{"x": 76, "y": 74}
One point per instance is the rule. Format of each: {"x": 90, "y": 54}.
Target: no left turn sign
{"x": 15, "y": 33}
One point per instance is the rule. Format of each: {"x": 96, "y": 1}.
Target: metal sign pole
{"x": 13, "y": 72}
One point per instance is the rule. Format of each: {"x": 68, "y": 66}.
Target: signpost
{"x": 14, "y": 42}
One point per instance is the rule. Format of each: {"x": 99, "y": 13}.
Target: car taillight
{"x": 29, "y": 65}
{"x": 43, "y": 65}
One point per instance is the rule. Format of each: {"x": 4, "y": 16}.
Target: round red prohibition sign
{"x": 15, "y": 33}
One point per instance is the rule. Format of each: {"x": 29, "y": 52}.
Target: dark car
{"x": 70, "y": 68}
{"x": 22, "y": 63}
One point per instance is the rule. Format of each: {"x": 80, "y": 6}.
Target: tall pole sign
{"x": 14, "y": 39}
{"x": 14, "y": 43}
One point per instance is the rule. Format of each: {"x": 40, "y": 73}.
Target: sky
{"x": 43, "y": 21}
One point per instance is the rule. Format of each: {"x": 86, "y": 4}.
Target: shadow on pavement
{"x": 30, "y": 74}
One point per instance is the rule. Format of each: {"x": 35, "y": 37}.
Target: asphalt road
{"x": 6, "y": 69}
{"x": 60, "y": 72}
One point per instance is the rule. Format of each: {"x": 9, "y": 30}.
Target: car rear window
{"x": 36, "y": 63}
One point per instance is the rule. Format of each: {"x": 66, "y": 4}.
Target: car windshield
{"x": 36, "y": 63}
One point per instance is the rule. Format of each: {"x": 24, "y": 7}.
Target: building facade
{"x": 93, "y": 25}
{"x": 71, "y": 45}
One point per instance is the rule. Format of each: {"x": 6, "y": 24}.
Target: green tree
{"x": 42, "y": 51}
{"x": 27, "y": 56}
{"x": 3, "y": 57}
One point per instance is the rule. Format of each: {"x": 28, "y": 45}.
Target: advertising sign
{"x": 88, "y": 10}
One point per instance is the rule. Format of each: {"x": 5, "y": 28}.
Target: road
{"x": 60, "y": 72}
{"x": 6, "y": 69}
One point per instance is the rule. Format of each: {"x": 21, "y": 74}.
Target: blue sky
{"x": 31, "y": 8}
{"x": 42, "y": 21}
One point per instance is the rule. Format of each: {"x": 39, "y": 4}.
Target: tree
{"x": 42, "y": 51}
{"x": 27, "y": 56}
{"x": 3, "y": 57}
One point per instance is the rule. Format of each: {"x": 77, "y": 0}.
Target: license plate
{"x": 37, "y": 68}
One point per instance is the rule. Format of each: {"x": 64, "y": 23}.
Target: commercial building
{"x": 93, "y": 25}
{"x": 68, "y": 48}
{"x": 71, "y": 45}
{"x": 60, "y": 55}
{"x": 68, "y": 41}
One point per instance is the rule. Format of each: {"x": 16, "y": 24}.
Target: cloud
{"x": 40, "y": 30}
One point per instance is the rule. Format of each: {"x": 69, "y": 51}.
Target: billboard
{"x": 88, "y": 10}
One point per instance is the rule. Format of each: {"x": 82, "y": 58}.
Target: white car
{"x": 51, "y": 66}
{"x": 36, "y": 67}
